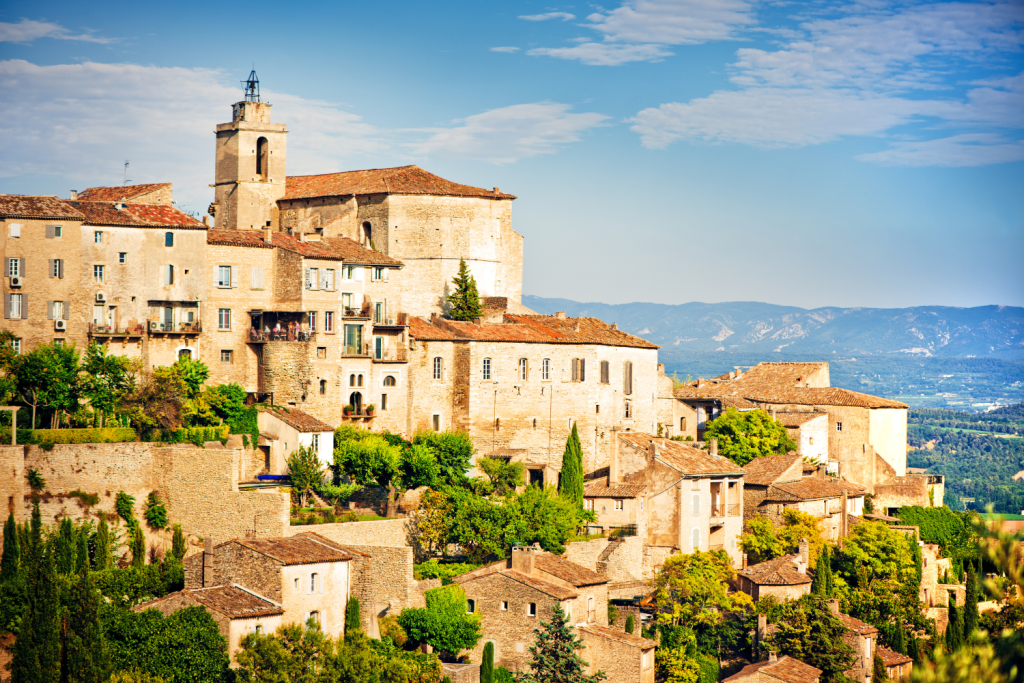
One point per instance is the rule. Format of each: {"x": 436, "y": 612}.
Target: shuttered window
{"x": 56, "y": 268}
{"x": 579, "y": 370}
{"x": 437, "y": 367}
{"x": 223, "y": 276}
{"x": 257, "y": 277}
{"x": 487, "y": 368}
{"x": 627, "y": 378}
{"x": 15, "y": 267}
{"x": 312, "y": 275}
{"x": 168, "y": 274}
{"x": 605, "y": 372}
{"x": 327, "y": 279}
{"x": 16, "y": 306}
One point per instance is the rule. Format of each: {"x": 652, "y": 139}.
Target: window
{"x": 470, "y": 606}
{"x": 579, "y": 369}
{"x": 168, "y": 239}
{"x": 839, "y": 426}
{"x": 348, "y": 272}
{"x": 314, "y": 616}
{"x": 57, "y": 268}
{"x": 696, "y": 538}
{"x": 378, "y": 312}
{"x": 695, "y": 509}
{"x": 497, "y": 424}
{"x": 16, "y": 230}
{"x": 627, "y": 378}
{"x": 262, "y": 157}
{"x": 436, "y": 422}
{"x": 598, "y": 408}
{"x": 321, "y": 352}
{"x": 327, "y": 282}
{"x": 589, "y": 504}
{"x": 58, "y": 231}
{"x": 97, "y": 273}
{"x": 487, "y": 368}
{"x": 628, "y": 410}
{"x": 315, "y": 441}
{"x": 312, "y": 321}
{"x": 605, "y": 372}
{"x": 383, "y": 401}
{"x": 122, "y": 257}
{"x": 14, "y": 306}
{"x": 258, "y": 629}
{"x": 351, "y": 380}
{"x": 524, "y": 369}
{"x": 353, "y": 340}
{"x": 367, "y": 232}
{"x": 58, "y": 342}
{"x": 224, "y": 319}
{"x": 346, "y": 300}
{"x": 168, "y": 275}
{"x": 378, "y": 348}
{"x": 226, "y": 355}
{"x": 328, "y": 321}
{"x": 97, "y": 237}
{"x": 14, "y": 267}
{"x": 223, "y": 276}
{"x": 504, "y": 605}
{"x": 16, "y": 345}
{"x": 311, "y": 278}
{"x": 619, "y": 504}
{"x": 682, "y": 424}
{"x": 312, "y": 582}
{"x": 437, "y": 367}
{"x": 390, "y": 381}
{"x": 378, "y": 274}
{"x": 531, "y": 609}
{"x": 545, "y": 369}
{"x": 296, "y": 584}
{"x": 256, "y": 281}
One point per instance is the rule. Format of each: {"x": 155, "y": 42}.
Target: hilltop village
{"x": 326, "y": 299}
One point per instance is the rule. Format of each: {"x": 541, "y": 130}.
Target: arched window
{"x": 627, "y": 378}
{"x": 351, "y": 380}
{"x": 262, "y": 157}
{"x": 437, "y": 367}
{"x": 487, "y": 368}
{"x": 367, "y": 232}
{"x": 323, "y": 387}
{"x": 355, "y": 399}
{"x": 696, "y": 504}
{"x": 696, "y": 539}
{"x": 682, "y": 424}
{"x": 360, "y": 381}
{"x": 545, "y": 369}
{"x": 390, "y": 381}
{"x": 524, "y": 369}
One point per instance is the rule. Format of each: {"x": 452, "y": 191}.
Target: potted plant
{"x": 369, "y": 410}
{"x": 347, "y": 409}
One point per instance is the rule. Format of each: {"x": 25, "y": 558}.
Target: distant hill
{"x": 747, "y": 326}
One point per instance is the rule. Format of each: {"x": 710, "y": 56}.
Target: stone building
{"x": 284, "y": 430}
{"x": 776, "y": 669}
{"x": 784, "y": 578}
{"x": 513, "y": 596}
{"x": 899, "y": 667}
{"x": 863, "y": 638}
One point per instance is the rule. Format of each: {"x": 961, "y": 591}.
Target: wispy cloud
{"x": 504, "y": 49}
{"x": 28, "y": 30}
{"x": 508, "y": 134}
{"x": 863, "y": 74}
{"x": 605, "y": 54}
{"x": 564, "y": 16}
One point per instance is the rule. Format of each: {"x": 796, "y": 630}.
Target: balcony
{"x": 391, "y": 355}
{"x": 402, "y": 320}
{"x": 97, "y": 330}
{"x": 156, "y": 327}
{"x": 716, "y": 546}
{"x": 720, "y": 512}
{"x": 260, "y": 337}
{"x": 357, "y": 313}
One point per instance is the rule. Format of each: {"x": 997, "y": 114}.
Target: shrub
{"x": 156, "y": 512}
{"x": 390, "y": 628}
{"x": 86, "y": 500}
{"x": 93, "y": 435}
{"x": 433, "y": 569}
{"x": 125, "y": 506}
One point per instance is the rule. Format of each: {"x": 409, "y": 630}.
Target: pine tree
{"x": 12, "y": 551}
{"x": 138, "y": 546}
{"x": 101, "y": 557}
{"x": 465, "y": 300}
{"x": 970, "y": 621}
{"x": 352, "y": 616}
{"x": 37, "y": 648}
{"x": 178, "y": 545}
{"x": 570, "y": 484}
{"x": 86, "y": 657}
{"x": 487, "y": 666}
{"x": 555, "y": 655}
{"x": 822, "y": 583}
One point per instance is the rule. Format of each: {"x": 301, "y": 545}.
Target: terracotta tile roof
{"x": 856, "y": 625}
{"x": 767, "y": 469}
{"x": 600, "y": 489}
{"x": 330, "y": 249}
{"x": 424, "y": 331}
{"x": 782, "y": 571}
{"x": 779, "y": 375}
{"x": 581, "y": 330}
{"x": 567, "y": 571}
{"x": 619, "y": 636}
{"x": 828, "y": 396}
{"x": 811, "y": 488}
{"x": 116, "y": 193}
{"x": 304, "y": 422}
{"x": 785, "y": 669}
{"x": 305, "y": 549}
{"x": 794, "y": 420}
{"x": 136, "y": 215}
{"x": 891, "y": 657}
{"x": 557, "y": 592}
{"x": 684, "y": 459}
{"x": 398, "y": 180}
{"x": 530, "y": 329}
{"x": 37, "y": 206}
{"x": 234, "y": 601}
{"x": 351, "y": 251}
{"x": 737, "y": 402}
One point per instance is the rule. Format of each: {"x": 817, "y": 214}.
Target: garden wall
{"x": 389, "y": 532}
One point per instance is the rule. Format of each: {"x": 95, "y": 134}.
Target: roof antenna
{"x": 252, "y": 87}
{"x": 126, "y": 181}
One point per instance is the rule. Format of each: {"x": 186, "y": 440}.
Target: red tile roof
{"x": 329, "y": 249}
{"x": 424, "y": 331}
{"x": 781, "y": 571}
{"x": 856, "y": 625}
{"x": 116, "y": 193}
{"x": 303, "y": 422}
{"x": 529, "y": 329}
{"x": 767, "y": 469}
{"x": 37, "y": 206}
{"x": 234, "y": 602}
{"x": 309, "y": 548}
{"x": 136, "y": 215}
{"x": 811, "y": 488}
{"x": 600, "y": 489}
{"x": 891, "y": 657}
{"x": 398, "y": 180}
{"x": 785, "y": 669}
{"x": 684, "y": 459}
{"x": 795, "y": 420}
{"x": 619, "y": 636}
{"x": 557, "y": 592}
{"x": 567, "y": 571}
{"x": 827, "y": 396}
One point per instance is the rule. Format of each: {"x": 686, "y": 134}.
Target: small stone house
{"x": 622, "y": 656}
{"x": 898, "y": 667}
{"x": 308, "y": 576}
{"x": 284, "y": 430}
{"x": 777, "y": 670}
{"x": 863, "y": 638}
{"x": 237, "y": 611}
{"x": 810, "y": 432}
{"x": 784, "y": 577}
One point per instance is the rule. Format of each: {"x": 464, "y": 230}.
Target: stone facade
{"x": 621, "y": 656}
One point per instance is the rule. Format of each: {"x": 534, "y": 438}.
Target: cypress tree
{"x": 465, "y": 300}
{"x": 970, "y": 623}
{"x": 86, "y": 656}
{"x": 918, "y": 564}
{"x": 487, "y": 666}
{"x": 64, "y": 547}
{"x": 352, "y": 616}
{"x": 178, "y": 545}
{"x": 898, "y": 641}
{"x": 37, "y": 648}
{"x": 12, "y": 551}
{"x": 878, "y": 672}
{"x": 101, "y": 558}
{"x": 138, "y": 546}
{"x": 82, "y": 554}
{"x": 822, "y": 583}
{"x": 953, "y": 628}
{"x": 630, "y": 624}
{"x": 570, "y": 483}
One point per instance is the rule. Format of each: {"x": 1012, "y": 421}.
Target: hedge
{"x": 88, "y": 435}
{"x": 24, "y": 436}
{"x": 195, "y": 435}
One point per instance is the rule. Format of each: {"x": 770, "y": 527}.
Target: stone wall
{"x": 12, "y": 480}
{"x": 386, "y": 532}
{"x": 621, "y": 661}
{"x": 394, "y": 588}
{"x": 461, "y": 673}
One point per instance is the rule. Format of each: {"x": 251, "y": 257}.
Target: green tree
{"x": 179, "y": 547}
{"x": 823, "y": 585}
{"x": 37, "y": 648}
{"x": 760, "y": 541}
{"x": 82, "y": 549}
{"x": 418, "y": 466}
{"x": 546, "y": 517}
{"x": 694, "y": 589}
{"x": 464, "y": 302}
{"x": 970, "y": 623}
{"x": 305, "y": 471}
{"x": 11, "y": 558}
{"x": 555, "y": 654}
{"x": 138, "y": 545}
{"x": 352, "y": 618}
{"x": 106, "y": 380}
{"x": 193, "y": 373}
{"x": 487, "y": 665}
{"x": 370, "y": 461}
{"x": 878, "y": 672}
{"x": 954, "y": 629}
{"x": 102, "y": 549}
{"x": 570, "y": 481}
{"x": 505, "y": 475}
{"x": 454, "y": 453}
{"x": 764, "y": 541}
{"x": 85, "y": 648}
{"x": 748, "y": 435}
{"x": 809, "y": 632}
{"x": 48, "y": 377}
{"x": 444, "y": 623}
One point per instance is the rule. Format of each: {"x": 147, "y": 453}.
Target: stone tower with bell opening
{"x": 250, "y": 173}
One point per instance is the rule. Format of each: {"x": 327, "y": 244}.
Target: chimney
{"x": 208, "y": 563}
{"x": 267, "y": 236}
{"x": 771, "y": 411}
{"x": 713, "y": 445}
{"x": 206, "y": 220}
{"x": 613, "y": 465}
{"x": 654, "y": 449}
{"x": 522, "y": 561}
{"x": 700, "y": 382}
{"x": 805, "y": 555}
{"x": 615, "y": 326}
{"x": 74, "y": 195}
{"x": 497, "y": 191}
{"x": 773, "y": 656}
{"x": 762, "y": 629}
{"x": 833, "y": 606}
{"x": 739, "y": 373}
{"x": 560, "y": 314}
{"x": 743, "y": 565}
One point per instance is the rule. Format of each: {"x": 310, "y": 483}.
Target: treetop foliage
{"x": 464, "y": 302}
{"x": 748, "y": 435}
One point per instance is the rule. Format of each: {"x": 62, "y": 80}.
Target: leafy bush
{"x": 92, "y": 435}
{"x": 195, "y": 435}
{"x": 454, "y": 453}
{"x": 156, "y": 512}
{"x": 504, "y": 475}
{"x": 87, "y": 500}
{"x": 444, "y": 624}
{"x": 125, "y": 506}
{"x": 433, "y": 569}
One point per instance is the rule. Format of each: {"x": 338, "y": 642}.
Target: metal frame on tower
{"x": 252, "y": 87}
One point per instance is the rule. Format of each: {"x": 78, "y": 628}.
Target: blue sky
{"x": 811, "y": 154}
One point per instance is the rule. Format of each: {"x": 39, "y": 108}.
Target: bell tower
{"x": 250, "y": 173}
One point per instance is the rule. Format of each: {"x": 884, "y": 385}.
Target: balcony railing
{"x": 363, "y": 312}
{"x": 258, "y": 337}
{"x": 723, "y": 510}
{"x": 157, "y": 327}
{"x": 401, "y": 320}
{"x": 390, "y": 355}
{"x": 96, "y": 329}
{"x": 716, "y": 546}
{"x": 355, "y": 351}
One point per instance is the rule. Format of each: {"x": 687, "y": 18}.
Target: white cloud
{"x": 973, "y": 149}
{"x": 564, "y": 16}
{"x": 862, "y": 75}
{"x": 605, "y": 54}
{"x": 504, "y": 49}
{"x": 508, "y": 134}
{"x": 81, "y": 121}
{"x": 27, "y": 30}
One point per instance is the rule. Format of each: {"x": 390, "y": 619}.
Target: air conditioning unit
{"x": 390, "y": 321}
{"x": 153, "y": 326}
{"x": 15, "y": 281}
{"x": 60, "y": 325}
{"x": 101, "y": 297}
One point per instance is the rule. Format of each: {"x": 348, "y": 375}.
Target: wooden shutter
{"x": 50, "y": 268}
{"x": 7, "y": 305}
{"x": 21, "y": 267}
{"x": 583, "y": 372}
{"x": 67, "y": 307}
{"x": 49, "y": 310}
{"x": 307, "y": 279}
{"x": 49, "y": 232}
{"x": 24, "y": 304}
{"x": 234, "y": 276}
